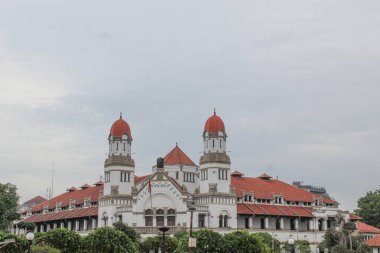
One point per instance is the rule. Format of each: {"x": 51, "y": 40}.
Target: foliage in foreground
{"x": 156, "y": 243}
{"x": 369, "y": 208}
{"x": 130, "y": 232}
{"x": 108, "y": 240}
{"x": 45, "y": 249}
{"x": 20, "y": 245}
{"x": 8, "y": 205}
{"x": 66, "y": 241}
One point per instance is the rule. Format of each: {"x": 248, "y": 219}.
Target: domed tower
{"x": 119, "y": 167}
{"x": 214, "y": 163}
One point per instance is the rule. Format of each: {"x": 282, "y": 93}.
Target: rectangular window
{"x": 107, "y": 177}
{"x": 125, "y": 177}
{"x": 246, "y": 222}
{"x": 262, "y": 223}
{"x": 177, "y": 175}
{"x": 124, "y": 147}
{"x": 160, "y": 221}
{"x": 223, "y": 174}
{"x": 189, "y": 177}
{"x": 201, "y": 220}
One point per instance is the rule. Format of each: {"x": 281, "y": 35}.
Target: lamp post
{"x": 163, "y": 230}
{"x": 291, "y": 243}
{"x": 30, "y": 237}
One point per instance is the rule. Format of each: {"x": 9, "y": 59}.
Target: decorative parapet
{"x": 215, "y": 158}
{"x": 119, "y": 161}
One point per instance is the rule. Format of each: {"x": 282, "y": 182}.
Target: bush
{"x": 130, "y": 232}
{"x": 106, "y": 240}
{"x": 66, "y": 241}
{"x": 180, "y": 234}
{"x": 331, "y": 238}
{"x": 303, "y": 246}
{"x": 207, "y": 241}
{"x": 268, "y": 240}
{"x": 44, "y": 249}
{"x": 245, "y": 242}
{"x": 20, "y": 245}
{"x": 339, "y": 249}
{"x": 156, "y": 243}
{"x": 364, "y": 248}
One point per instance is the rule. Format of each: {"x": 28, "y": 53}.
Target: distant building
{"x": 374, "y": 243}
{"x": 27, "y": 205}
{"x": 320, "y": 190}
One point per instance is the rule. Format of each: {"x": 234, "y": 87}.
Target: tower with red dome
{"x": 215, "y": 175}
{"x": 119, "y": 172}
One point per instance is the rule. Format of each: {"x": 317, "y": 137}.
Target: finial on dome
{"x": 176, "y": 144}
{"x": 121, "y": 115}
{"x": 214, "y": 111}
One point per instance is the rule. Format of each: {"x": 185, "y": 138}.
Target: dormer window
{"x": 248, "y": 198}
{"x": 87, "y": 202}
{"x": 278, "y": 200}
{"x": 46, "y": 209}
{"x": 318, "y": 202}
{"x": 58, "y": 206}
{"x": 71, "y": 204}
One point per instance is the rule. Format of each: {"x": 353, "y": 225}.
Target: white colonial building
{"x": 220, "y": 199}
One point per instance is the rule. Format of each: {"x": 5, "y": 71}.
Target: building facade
{"x": 220, "y": 199}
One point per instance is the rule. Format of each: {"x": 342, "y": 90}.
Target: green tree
{"x": 369, "y": 208}
{"x": 245, "y": 242}
{"x": 303, "y": 246}
{"x": 331, "y": 238}
{"x": 156, "y": 243}
{"x": 8, "y": 205}
{"x": 26, "y": 225}
{"x": 66, "y": 241}
{"x": 44, "y": 249}
{"x": 207, "y": 241}
{"x": 270, "y": 241}
{"x": 180, "y": 234}
{"x": 363, "y": 248}
{"x": 20, "y": 244}
{"x": 108, "y": 240}
{"x": 339, "y": 249}
{"x": 130, "y": 232}
{"x": 348, "y": 229}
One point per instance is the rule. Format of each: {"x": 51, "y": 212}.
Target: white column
{"x": 93, "y": 223}
{"x": 42, "y": 228}
{"x": 62, "y": 224}
{"x": 311, "y": 224}
{"x": 69, "y": 225}
{"x": 47, "y": 227}
{"x": 55, "y": 225}
{"x": 17, "y": 231}
{"x": 85, "y": 224}
{"x": 266, "y": 222}
{"x": 35, "y": 229}
{"x": 282, "y": 223}
{"x": 77, "y": 225}
{"x": 324, "y": 224}
{"x": 251, "y": 222}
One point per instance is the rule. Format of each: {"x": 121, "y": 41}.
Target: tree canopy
{"x": 66, "y": 241}
{"x": 369, "y": 208}
{"x": 8, "y": 205}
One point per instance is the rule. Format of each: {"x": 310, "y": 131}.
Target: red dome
{"x": 214, "y": 124}
{"x": 119, "y": 128}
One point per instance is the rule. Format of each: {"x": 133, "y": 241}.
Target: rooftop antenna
{"x": 52, "y": 182}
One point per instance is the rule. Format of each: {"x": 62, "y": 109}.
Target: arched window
{"x": 148, "y": 218}
{"x": 160, "y": 217}
{"x": 220, "y": 221}
{"x": 171, "y": 217}
{"x": 225, "y": 221}
{"x": 117, "y": 146}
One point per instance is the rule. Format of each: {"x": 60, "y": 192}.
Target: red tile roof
{"x": 35, "y": 200}
{"x": 177, "y": 156}
{"x": 214, "y": 124}
{"x": 365, "y": 228}
{"x": 67, "y": 214}
{"x": 374, "y": 242}
{"x": 354, "y": 217}
{"x": 265, "y": 189}
{"x": 140, "y": 179}
{"x": 78, "y": 196}
{"x": 99, "y": 183}
{"x": 119, "y": 128}
{"x": 263, "y": 209}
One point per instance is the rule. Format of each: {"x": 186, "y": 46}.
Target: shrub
{"x": 107, "y": 240}
{"x": 339, "y": 249}
{"x": 130, "y": 232}
{"x": 66, "y": 241}
{"x": 44, "y": 249}
{"x": 245, "y": 242}
{"x": 207, "y": 241}
{"x": 20, "y": 244}
{"x": 156, "y": 243}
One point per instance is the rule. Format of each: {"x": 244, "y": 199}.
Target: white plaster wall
{"x": 213, "y": 177}
{"x": 124, "y": 187}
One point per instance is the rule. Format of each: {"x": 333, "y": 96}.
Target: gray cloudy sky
{"x": 296, "y": 83}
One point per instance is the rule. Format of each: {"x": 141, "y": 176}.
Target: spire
{"x": 214, "y": 111}
{"x": 121, "y": 115}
